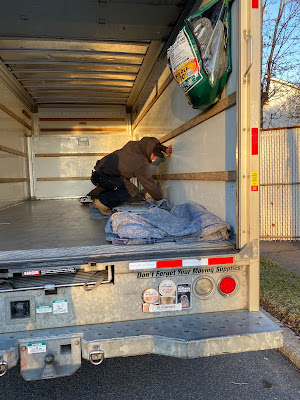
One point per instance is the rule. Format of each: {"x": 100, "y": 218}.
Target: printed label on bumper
{"x": 60, "y": 306}
{"x": 184, "y": 295}
{"x": 167, "y": 288}
{"x": 168, "y": 300}
{"x": 165, "y": 307}
{"x": 150, "y": 296}
{"x": 34, "y": 348}
{"x": 43, "y": 309}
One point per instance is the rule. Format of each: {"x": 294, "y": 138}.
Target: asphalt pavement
{"x": 285, "y": 253}
{"x": 261, "y": 375}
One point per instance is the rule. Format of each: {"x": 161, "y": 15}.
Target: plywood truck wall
{"x": 15, "y": 125}
{"x": 203, "y": 164}
{"x": 69, "y": 144}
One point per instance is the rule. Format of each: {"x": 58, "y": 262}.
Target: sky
{"x": 287, "y": 61}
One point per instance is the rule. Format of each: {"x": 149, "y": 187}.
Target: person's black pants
{"x": 116, "y": 190}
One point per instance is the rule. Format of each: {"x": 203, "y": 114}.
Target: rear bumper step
{"x": 189, "y": 336}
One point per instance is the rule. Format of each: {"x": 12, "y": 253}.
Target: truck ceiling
{"x": 95, "y": 52}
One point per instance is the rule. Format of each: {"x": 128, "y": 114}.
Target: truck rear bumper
{"x": 189, "y": 336}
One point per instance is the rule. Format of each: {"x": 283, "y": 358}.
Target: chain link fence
{"x": 280, "y": 184}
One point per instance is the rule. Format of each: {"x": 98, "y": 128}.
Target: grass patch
{"x": 280, "y": 293}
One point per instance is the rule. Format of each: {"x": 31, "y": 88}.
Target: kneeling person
{"x": 112, "y": 173}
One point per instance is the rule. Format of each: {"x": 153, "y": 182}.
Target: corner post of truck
{"x": 248, "y": 105}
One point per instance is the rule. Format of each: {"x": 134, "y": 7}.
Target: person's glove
{"x": 169, "y": 150}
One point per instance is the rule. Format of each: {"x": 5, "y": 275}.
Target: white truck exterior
{"x": 49, "y": 142}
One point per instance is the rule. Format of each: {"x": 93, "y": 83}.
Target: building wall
{"x": 283, "y": 108}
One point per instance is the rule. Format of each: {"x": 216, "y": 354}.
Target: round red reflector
{"x": 227, "y": 285}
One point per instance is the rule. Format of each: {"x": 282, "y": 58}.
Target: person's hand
{"x": 169, "y": 150}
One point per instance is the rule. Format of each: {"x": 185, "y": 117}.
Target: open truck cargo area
{"x": 78, "y": 80}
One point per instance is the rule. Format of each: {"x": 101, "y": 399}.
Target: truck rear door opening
{"x": 78, "y": 81}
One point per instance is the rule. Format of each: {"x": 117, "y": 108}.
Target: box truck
{"x": 78, "y": 81}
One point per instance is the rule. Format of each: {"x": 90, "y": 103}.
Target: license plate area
{"x": 45, "y": 358}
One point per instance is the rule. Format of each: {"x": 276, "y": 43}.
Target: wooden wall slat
{"x": 71, "y": 154}
{"x": 13, "y": 115}
{"x": 84, "y": 119}
{"x": 222, "y": 105}
{"x": 12, "y": 151}
{"x": 13, "y": 180}
{"x": 83, "y": 130}
{"x": 26, "y": 114}
{"x": 73, "y": 178}
{"x": 222, "y": 176}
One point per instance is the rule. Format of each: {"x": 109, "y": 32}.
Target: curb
{"x": 291, "y": 342}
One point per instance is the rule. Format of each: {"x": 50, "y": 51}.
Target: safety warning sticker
{"x": 254, "y": 181}
{"x": 60, "y": 306}
{"x": 43, "y": 309}
{"x": 184, "y": 295}
{"x": 34, "y": 348}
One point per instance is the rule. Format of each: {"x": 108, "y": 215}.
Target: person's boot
{"x": 102, "y": 208}
{"x": 85, "y": 199}
{"x": 95, "y": 193}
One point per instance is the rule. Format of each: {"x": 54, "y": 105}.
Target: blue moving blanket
{"x": 188, "y": 222}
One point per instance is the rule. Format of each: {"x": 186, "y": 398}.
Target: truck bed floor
{"x": 44, "y": 224}
{"x": 62, "y": 228}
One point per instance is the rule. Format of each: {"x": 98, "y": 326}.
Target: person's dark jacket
{"x": 133, "y": 160}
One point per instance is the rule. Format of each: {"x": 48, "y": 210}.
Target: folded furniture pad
{"x": 183, "y": 223}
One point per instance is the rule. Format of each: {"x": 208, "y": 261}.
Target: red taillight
{"x": 227, "y": 285}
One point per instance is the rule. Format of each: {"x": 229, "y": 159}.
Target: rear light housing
{"x": 227, "y": 285}
{"x": 204, "y": 287}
